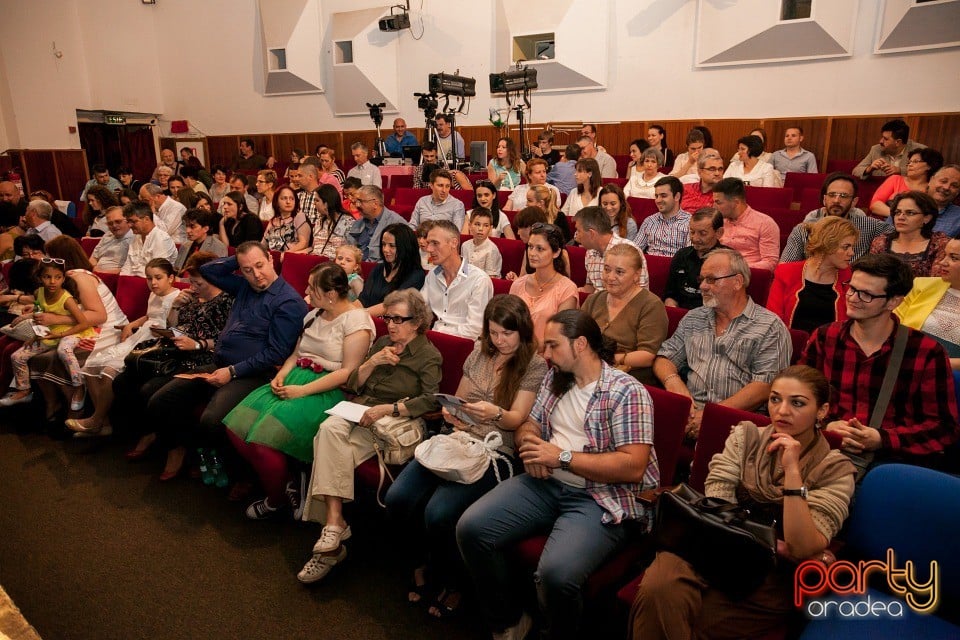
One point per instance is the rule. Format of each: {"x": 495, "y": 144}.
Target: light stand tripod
{"x": 376, "y": 114}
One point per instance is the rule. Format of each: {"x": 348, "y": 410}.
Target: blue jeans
{"x": 428, "y": 507}
{"x": 578, "y": 544}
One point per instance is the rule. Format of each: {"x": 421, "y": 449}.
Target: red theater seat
{"x": 296, "y": 269}
{"x": 674, "y": 316}
{"x": 578, "y": 268}
{"x": 658, "y": 269}
{"x": 500, "y": 285}
{"x": 763, "y": 198}
{"x": 89, "y": 244}
{"x": 511, "y": 251}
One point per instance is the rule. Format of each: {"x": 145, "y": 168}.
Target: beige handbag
{"x": 394, "y": 440}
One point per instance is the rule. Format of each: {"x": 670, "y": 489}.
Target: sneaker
{"x": 9, "y": 400}
{"x": 330, "y": 538}
{"x": 319, "y": 565}
{"x": 295, "y": 495}
{"x": 260, "y": 510}
{"x": 518, "y": 631}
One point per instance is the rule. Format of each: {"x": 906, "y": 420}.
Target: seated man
{"x": 447, "y": 142}
{"x": 753, "y": 234}
{"x": 920, "y": 422}
{"x": 667, "y": 231}
{"x": 111, "y": 252}
{"x": 944, "y": 187}
{"x": 890, "y": 155}
{"x": 248, "y": 159}
{"x": 366, "y": 171}
{"x": 429, "y": 162}
{"x": 793, "y": 158}
{"x": 103, "y": 178}
{"x": 365, "y": 232}
{"x": 399, "y": 139}
{"x": 731, "y": 346}
{"x": 197, "y": 223}
{"x": 683, "y": 283}
{"x": 839, "y": 197}
{"x": 456, "y": 291}
{"x": 167, "y": 212}
{"x": 238, "y": 182}
{"x": 697, "y": 195}
{"x": 561, "y": 174}
{"x": 169, "y": 160}
{"x": 608, "y": 166}
{"x": 38, "y": 217}
{"x": 438, "y": 205}
{"x": 587, "y": 449}
{"x": 149, "y": 241}
{"x": 595, "y": 233}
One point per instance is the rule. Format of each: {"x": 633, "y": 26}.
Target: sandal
{"x": 447, "y": 605}
{"x": 418, "y": 592}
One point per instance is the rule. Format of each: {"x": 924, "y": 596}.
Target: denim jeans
{"x": 578, "y": 544}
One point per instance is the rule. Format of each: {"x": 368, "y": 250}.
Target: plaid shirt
{"x": 922, "y": 415}
{"x": 593, "y": 261}
{"x": 620, "y": 412}
{"x": 661, "y": 236}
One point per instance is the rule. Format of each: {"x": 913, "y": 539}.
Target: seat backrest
{"x": 670, "y": 415}
{"x": 366, "y": 268}
{"x": 578, "y": 266}
{"x": 674, "y": 315}
{"x": 761, "y": 198}
{"x": 455, "y": 351}
{"x": 502, "y": 197}
{"x": 658, "y": 269}
{"x": 89, "y": 244}
{"x": 296, "y": 269}
{"x": 109, "y": 279}
{"x": 132, "y": 295}
{"x": 799, "y": 339}
{"x": 500, "y": 285}
{"x": 511, "y": 252}
{"x": 465, "y": 196}
{"x": 760, "y": 281}
{"x": 401, "y": 181}
{"x": 715, "y": 426}
{"x": 642, "y": 208}
{"x": 409, "y": 196}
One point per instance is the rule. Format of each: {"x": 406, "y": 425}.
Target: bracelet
{"x": 669, "y": 378}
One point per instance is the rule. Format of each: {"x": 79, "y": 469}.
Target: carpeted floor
{"x": 95, "y": 547}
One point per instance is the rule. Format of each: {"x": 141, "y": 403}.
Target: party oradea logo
{"x": 839, "y": 590}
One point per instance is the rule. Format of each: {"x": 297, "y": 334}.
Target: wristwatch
{"x": 802, "y": 492}
{"x": 396, "y": 410}
{"x": 565, "y": 457}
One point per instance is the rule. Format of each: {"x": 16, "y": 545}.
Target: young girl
{"x": 485, "y": 197}
{"x": 53, "y": 297}
{"x": 422, "y": 232}
{"x": 482, "y": 253}
{"x": 541, "y": 196}
{"x": 349, "y": 257}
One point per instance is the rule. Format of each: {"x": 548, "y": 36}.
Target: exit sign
{"x": 114, "y": 118}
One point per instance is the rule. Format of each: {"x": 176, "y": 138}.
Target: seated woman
{"x": 657, "y": 139}
{"x": 266, "y": 185}
{"x": 536, "y": 173}
{"x": 810, "y": 293}
{"x": 333, "y": 222}
{"x": 933, "y": 305}
{"x": 644, "y": 173}
{"x": 525, "y": 220}
{"x": 288, "y": 229}
{"x": 399, "y": 268}
{"x": 278, "y": 421}
{"x": 749, "y": 167}
{"x": 764, "y": 154}
{"x": 785, "y": 472}
{"x": 913, "y": 239}
{"x": 238, "y": 224}
{"x": 99, "y": 199}
{"x": 540, "y": 196}
{"x": 921, "y": 165}
{"x": 587, "y": 175}
{"x": 635, "y": 318}
{"x": 200, "y": 313}
{"x": 505, "y": 167}
{"x": 221, "y": 186}
{"x": 485, "y": 196}
{"x": 499, "y": 384}
{"x": 399, "y": 378}
{"x": 548, "y": 289}
{"x": 613, "y": 201}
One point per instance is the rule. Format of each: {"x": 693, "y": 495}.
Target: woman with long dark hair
{"x": 238, "y": 224}
{"x": 333, "y": 222}
{"x": 657, "y": 138}
{"x": 399, "y": 268}
{"x": 485, "y": 196}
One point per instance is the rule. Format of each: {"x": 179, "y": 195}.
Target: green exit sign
{"x": 114, "y": 118}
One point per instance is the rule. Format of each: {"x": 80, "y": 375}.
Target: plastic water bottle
{"x": 205, "y": 471}
{"x": 216, "y": 469}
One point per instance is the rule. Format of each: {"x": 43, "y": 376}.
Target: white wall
{"x": 196, "y": 61}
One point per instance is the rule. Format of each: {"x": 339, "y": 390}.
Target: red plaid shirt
{"x": 922, "y": 415}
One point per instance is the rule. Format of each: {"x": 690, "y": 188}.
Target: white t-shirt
{"x": 568, "y": 433}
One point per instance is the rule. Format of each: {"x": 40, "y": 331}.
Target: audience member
{"x": 221, "y": 185}
{"x": 526, "y": 218}
{"x": 399, "y": 139}
{"x": 890, "y": 155}
{"x": 586, "y": 194}
{"x": 399, "y": 267}
{"x": 197, "y": 224}
{"x": 764, "y": 155}
{"x": 288, "y": 229}
{"x": 921, "y": 166}
{"x": 169, "y": 160}
{"x": 266, "y": 185}
{"x": 683, "y": 282}
{"x": 687, "y": 163}
{"x": 99, "y": 199}
{"x": 332, "y": 223}
{"x": 748, "y": 166}
{"x": 446, "y": 141}
{"x": 485, "y": 197}
{"x": 657, "y": 138}
{"x": 365, "y": 232}
{"x": 366, "y": 171}
{"x": 644, "y": 172}
{"x": 149, "y": 240}
{"x": 439, "y": 205}
{"x": 536, "y": 172}
{"x": 238, "y": 182}
{"x": 590, "y": 131}
{"x": 667, "y": 231}
{"x": 101, "y": 177}
{"x": 238, "y": 224}
{"x": 328, "y": 165}
{"x": 541, "y": 197}
{"x": 429, "y": 162}
{"x": 127, "y": 181}
{"x": 544, "y": 149}
{"x": 597, "y": 236}
{"x": 614, "y": 203}
{"x": 913, "y": 239}
{"x": 793, "y": 158}
{"x": 505, "y": 168}
{"x": 548, "y": 289}
{"x": 562, "y": 174}
{"x": 248, "y": 159}
{"x": 944, "y": 188}
{"x": 38, "y": 217}
{"x": 167, "y": 212}
{"x": 191, "y": 178}
{"x": 111, "y": 252}
{"x": 933, "y": 305}
{"x": 753, "y": 234}
{"x": 699, "y": 194}
{"x": 481, "y": 252}
{"x": 605, "y": 162}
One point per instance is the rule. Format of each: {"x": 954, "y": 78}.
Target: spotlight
{"x": 513, "y": 80}
{"x": 452, "y": 85}
{"x": 395, "y": 21}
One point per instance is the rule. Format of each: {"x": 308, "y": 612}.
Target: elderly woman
{"x": 399, "y": 268}
{"x": 279, "y": 420}
{"x": 238, "y": 224}
{"x": 333, "y": 222}
{"x": 749, "y": 167}
{"x": 399, "y": 378}
{"x": 536, "y": 172}
{"x": 164, "y": 173}
{"x": 499, "y": 384}
{"x": 99, "y": 199}
{"x": 635, "y": 318}
{"x": 921, "y": 165}
{"x": 221, "y": 186}
{"x": 933, "y": 305}
{"x": 644, "y": 173}
{"x": 784, "y": 473}
{"x": 913, "y": 239}
{"x": 809, "y": 293}
{"x": 505, "y": 167}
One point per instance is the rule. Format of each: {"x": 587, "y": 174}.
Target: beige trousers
{"x": 338, "y": 448}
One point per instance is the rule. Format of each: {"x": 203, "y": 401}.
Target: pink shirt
{"x": 544, "y": 304}
{"x": 756, "y": 236}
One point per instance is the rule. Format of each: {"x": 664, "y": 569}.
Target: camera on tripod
{"x": 376, "y": 112}
{"x": 427, "y": 102}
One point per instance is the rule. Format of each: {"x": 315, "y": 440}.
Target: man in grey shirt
{"x": 365, "y": 232}
{"x": 111, "y": 252}
{"x": 793, "y": 158}
{"x": 439, "y": 205}
{"x": 608, "y": 166}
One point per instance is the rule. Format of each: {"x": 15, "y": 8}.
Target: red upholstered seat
{"x": 621, "y": 182}
{"x": 132, "y": 294}
{"x": 582, "y": 297}
{"x": 455, "y": 351}
{"x": 109, "y": 279}
{"x": 388, "y": 195}
{"x": 715, "y": 426}
{"x": 511, "y": 251}
{"x": 674, "y": 315}
{"x": 809, "y": 199}
{"x": 465, "y": 196}
{"x": 622, "y": 162}
{"x": 366, "y": 268}
{"x": 801, "y": 181}
{"x": 406, "y": 199}
{"x": 658, "y": 269}
{"x": 401, "y": 181}
{"x": 846, "y": 166}
{"x": 763, "y": 198}
{"x": 500, "y": 285}
{"x": 578, "y": 267}
{"x": 799, "y": 338}
{"x": 642, "y": 208}
{"x": 502, "y": 197}
{"x": 296, "y": 269}
{"x": 786, "y": 220}
{"x": 89, "y": 244}
{"x": 760, "y": 281}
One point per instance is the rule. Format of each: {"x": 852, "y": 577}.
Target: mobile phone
{"x": 166, "y": 333}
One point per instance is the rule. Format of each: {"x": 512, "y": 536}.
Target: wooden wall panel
{"x": 941, "y": 132}
{"x": 222, "y": 149}
{"x": 41, "y": 171}
{"x": 852, "y": 137}
{"x": 284, "y": 143}
{"x": 727, "y": 132}
{"x": 72, "y": 170}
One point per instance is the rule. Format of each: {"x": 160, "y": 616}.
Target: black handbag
{"x": 154, "y": 358}
{"x": 731, "y": 552}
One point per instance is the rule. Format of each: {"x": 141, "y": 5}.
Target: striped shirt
{"x": 754, "y": 348}
{"x": 620, "y": 412}
{"x": 660, "y": 236}
{"x": 593, "y": 261}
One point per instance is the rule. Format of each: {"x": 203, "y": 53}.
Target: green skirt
{"x": 285, "y": 425}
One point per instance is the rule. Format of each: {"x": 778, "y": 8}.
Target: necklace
{"x": 540, "y": 286}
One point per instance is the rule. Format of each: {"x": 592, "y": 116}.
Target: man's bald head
{"x": 9, "y": 192}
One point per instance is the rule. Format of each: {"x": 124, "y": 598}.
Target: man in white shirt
{"x": 167, "y": 211}
{"x": 446, "y": 143}
{"x": 608, "y": 166}
{"x": 439, "y": 205}
{"x": 793, "y": 158}
{"x": 365, "y": 171}
{"x": 456, "y": 291}
{"x": 38, "y": 217}
{"x": 149, "y": 242}
{"x": 111, "y": 252}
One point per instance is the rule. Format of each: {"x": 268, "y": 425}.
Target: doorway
{"x": 130, "y": 145}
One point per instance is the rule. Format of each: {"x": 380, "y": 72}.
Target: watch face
{"x": 566, "y": 456}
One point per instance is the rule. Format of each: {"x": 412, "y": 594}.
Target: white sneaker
{"x": 9, "y": 400}
{"x": 518, "y": 631}
{"x": 330, "y": 538}
{"x": 319, "y": 566}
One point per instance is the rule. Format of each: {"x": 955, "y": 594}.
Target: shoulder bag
{"x": 394, "y": 440}
{"x": 460, "y": 457}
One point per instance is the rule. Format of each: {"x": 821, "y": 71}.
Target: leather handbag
{"x": 152, "y": 359}
{"x": 460, "y": 457}
{"x": 732, "y": 552}
{"x": 394, "y": 441}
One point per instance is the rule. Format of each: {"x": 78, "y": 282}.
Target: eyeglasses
{"x": 906, "y": 212}
{"x": 863, "y": 296}
{"x": 712, "y": 280}
{"x": 396, "y": 319}
{"x": 546, "y": 226}
{"x": 53, "y": 260}
{"x": 839, "y": 196}
{"x": 713, "y": 169}
{"x": 916, "y": 161}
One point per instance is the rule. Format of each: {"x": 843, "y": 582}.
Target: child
{"x": 422, "y": 232}
{"x": 349, "y": 257}
{"x": 482, "y": 253}
{"x": 53, "y": 297}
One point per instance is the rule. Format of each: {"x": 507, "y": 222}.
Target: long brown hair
{"x": 513, "y": 314}
{"x": 624, "y": 214}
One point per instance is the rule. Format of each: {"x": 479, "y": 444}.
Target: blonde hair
{"x": 545, "y": 195}
{"x": 355, "y": 250}
{"x": 826, "y": 234}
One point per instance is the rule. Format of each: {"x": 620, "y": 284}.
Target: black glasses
{"x": 46, "y": 260}
{"x": 396, "y": 319}
{"x": 712, "y": 280}
{"x": 864, "y": 296}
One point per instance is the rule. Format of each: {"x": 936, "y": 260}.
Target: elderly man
{"x": 365, "y": 232}
{"x": 668, "y": 230}
{"x": 839, "y": 197}
{"x": 111, "y": 252}
{"x": 683, "y": 283}
{"x": 699, "y": 194}
{"x": 399, "y": 139}
{"x": 367, "y": 172}
{"x": 753, "y": 234}
{"x": 587, "y": 448}
{"x": 456, "y": 291}
{"x": 590, "y": 131}
{"x": 608, "y": 166}
{"x": 944, "y": 187}
{"x": 167, "y": 212}
{"x": 731, "y": 346}
{"x": 149, "y": 242}
{"x": 169, "y": 160}
{"x": 890, "y": 155}
{"x": 595, "y": 233}
{"x": 38, "y": 217}
{"x": 438, "y": 205}
{"x": 446, "y": 141}
{"x": 102, "y": 177}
